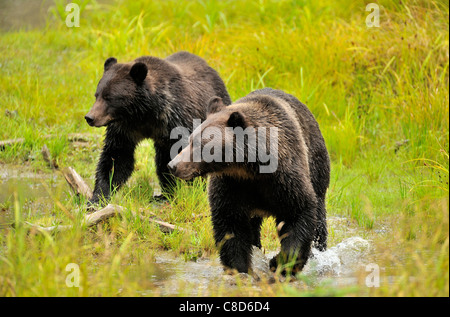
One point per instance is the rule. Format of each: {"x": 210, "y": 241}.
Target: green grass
{"x": 380, "y": 96}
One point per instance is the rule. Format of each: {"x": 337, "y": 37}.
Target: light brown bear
{"x": 283, "y": 172}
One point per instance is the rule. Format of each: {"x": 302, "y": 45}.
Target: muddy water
{"x": 36, "y": 191}
{"x": 337, "y": 265}
{"x": 173, "y": 275}
{"x": 20, "y": 14}
{"x": 191, "y": 278}
{"x": 30, "y": 14}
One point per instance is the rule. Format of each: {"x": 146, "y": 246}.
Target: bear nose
{"x": 172, "y": 167}
{"x": 89, "y": 120}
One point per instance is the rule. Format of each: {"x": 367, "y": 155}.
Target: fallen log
{"x": 71, "y": 137}
{"x": 101, "y": 215}
{"x": 89, "y": 220}
{"x": 10, "y": 142}
{"x": 79, "y": 186}
{"x": 50, "y": 229}
{"x": 48, "y": 158}
{"x": 77, "y": 183}
{"x": 81, "y": 137}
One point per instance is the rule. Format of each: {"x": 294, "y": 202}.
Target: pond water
{"x": 34, "y": 190}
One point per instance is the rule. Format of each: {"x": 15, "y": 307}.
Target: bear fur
{"x": 240, "y": 195}
{"x": 147, "y": 98}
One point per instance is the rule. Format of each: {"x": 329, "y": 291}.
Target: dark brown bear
{"x": 147, "y": 98}
{"x": 240, "y": 193}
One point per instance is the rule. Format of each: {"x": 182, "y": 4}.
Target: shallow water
{"x": 36, "y": 191}
{"x": 172, "y": 274}
{"x": 341, "y": 259}
{"x": 337, "y": 265}
{"x": 19, "y": 14}
{"x": 191, "y": 278}
{"x": 25, "y": 184}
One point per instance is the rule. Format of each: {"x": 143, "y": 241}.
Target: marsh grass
{"x": 380, "y": 96}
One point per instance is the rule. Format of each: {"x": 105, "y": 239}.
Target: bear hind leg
{"x": 321, "y": 235}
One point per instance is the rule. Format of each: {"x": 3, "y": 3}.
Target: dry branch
{"x": 89, "y": 220}
{"x": 165, "y": 226}
{"x": 47, "y": 229}
{"x": 81, "y": 137}
{"x": 101, "y": 215}
{"x": 71, "y": 137}
{"x": 10, "y": 142}
{"x": 48, "y": 158}
{"x": 77, "y": 183}
{"x": 80, "y": 187}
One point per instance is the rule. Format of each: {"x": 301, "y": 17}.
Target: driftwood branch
{"x": 71, "y": 137}
{"x": 89, "y": 220}
{"x": 80, "y": 187}
{"x": 77, "y": 183}
{"x": 165, "y": 226}
{"x": 101, "y": 215}
{"x": 47, "y": 229}
{"x": 81, "y": 137}
{"x": 48, "y": 158}
{"x": 10, "y": 142}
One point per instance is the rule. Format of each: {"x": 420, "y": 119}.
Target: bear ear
{"x": 109, "y": 62}
{"x": 138, "y": 72}
{"x": 215, "y": 104}
{"x": 236, "y": 119}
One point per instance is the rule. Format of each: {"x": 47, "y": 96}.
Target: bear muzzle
{"x": 89, "y": 120}
{"x": 97, "y": 122}
{"x": 97, "y": 116}
{"x": 183, "y": 170}
{"x": 172, "y": 167}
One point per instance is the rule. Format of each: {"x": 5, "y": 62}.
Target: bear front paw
{"x": 285, "y": 267}
{"x": 159, "y": 198}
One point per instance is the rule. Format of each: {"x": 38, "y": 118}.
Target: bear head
{"x": 117, "y": 95}
{"x": 224, "y": 143}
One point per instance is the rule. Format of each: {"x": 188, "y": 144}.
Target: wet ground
{"x": 34, "y": 190}
{"x": 337, "y": 265}
{"x": 23, "y": 14}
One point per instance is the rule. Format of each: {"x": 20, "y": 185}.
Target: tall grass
{"x": 380, "y": 96}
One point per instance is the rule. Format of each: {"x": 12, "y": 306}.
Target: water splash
{"x": 203, "y": 275}
{"x": 340, "y": 259}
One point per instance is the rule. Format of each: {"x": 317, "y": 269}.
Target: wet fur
{"x": 295, "y": 194}
{"x": 175, "y": 91}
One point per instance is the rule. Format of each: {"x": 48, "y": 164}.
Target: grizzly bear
{"x": 148, "y": 98}
{"x": 242, "y": 191}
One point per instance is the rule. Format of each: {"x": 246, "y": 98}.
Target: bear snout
{"x": 172, "y": 167}
{"x": 99, "y": 115}
{"x": 89, "y": 120}
{"x": 181, "y": 169}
